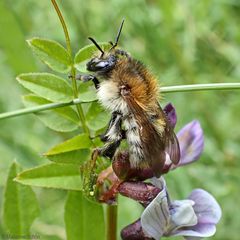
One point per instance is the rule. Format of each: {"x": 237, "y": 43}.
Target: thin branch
{"x": 169, "y": 89}
{"x": 44, "y": 107}
{"x": 200, "y": 87}
{"x": 60, "y": 16}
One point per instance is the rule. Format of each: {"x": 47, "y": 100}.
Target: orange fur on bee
{"x": 143, "y": 86}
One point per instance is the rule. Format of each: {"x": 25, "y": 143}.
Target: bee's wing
{"x": 172, "y": 146}
{"x": 153, "y": 144}
{"x": 171, "y": 142}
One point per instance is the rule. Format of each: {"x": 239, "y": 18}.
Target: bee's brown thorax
{"x": 142, "y": 85}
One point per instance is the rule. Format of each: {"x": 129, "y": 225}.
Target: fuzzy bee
{"x": 130, "y": 92}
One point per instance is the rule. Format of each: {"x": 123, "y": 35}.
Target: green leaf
{"x": 83, "y": 219}
{"x": 52, "y": 53}
{"x": 76, "y": 157}
{"x": 87, "y": 52}
{"x": 74, "y": 151}
{"x": 61, "y": 176}
{"x": 96, "y": 117}
{"x": 87, "y": 92}
{"x": 47, "y": 85}
{"x": 20, "y": 205}
{"x": 63, "y": 119}
{"x": 78, "y": 142}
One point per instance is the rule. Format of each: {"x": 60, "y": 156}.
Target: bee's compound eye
{"x": 102, "y": 64}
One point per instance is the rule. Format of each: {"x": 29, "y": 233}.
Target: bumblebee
{"x": 127, "y": 89}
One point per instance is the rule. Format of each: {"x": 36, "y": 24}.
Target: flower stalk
{"x": 111, "y": 222}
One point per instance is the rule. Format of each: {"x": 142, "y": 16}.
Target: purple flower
{"x": 190, "y": 137}
{"x": 193, "y": 218}
{"x": 191, "y": 143}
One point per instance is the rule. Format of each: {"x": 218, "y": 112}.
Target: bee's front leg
{"x": 86, "y": 78}
{"x": 89, "y": 77}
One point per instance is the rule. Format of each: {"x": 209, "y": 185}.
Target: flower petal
{"x": 182, "y": 215}
{"x": 191, "y": 142}
{"x": 171, "y": 114}
{"x": 156, "y": 216}
{"x": 159, "y": 182}
{"x": 208, "y": 213}
{"x": 199, "y": 230}
{"x": 206, "y": 207}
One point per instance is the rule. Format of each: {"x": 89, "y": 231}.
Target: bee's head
{"x": 103, "y": 63}
{"x": 107, "y": 60}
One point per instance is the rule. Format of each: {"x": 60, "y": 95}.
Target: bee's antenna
{"x": 96, "y": 44}
{"x": 118, "y": 35}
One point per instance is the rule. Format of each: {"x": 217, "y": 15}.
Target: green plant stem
{"x": 44, "y": 107}
{"x": 79, "y": 107}
{"x": 169, "y": 89}
{"x": 73, "y": 70}
{"x": 60, "y": 16}
{"x": 200, "y": 87}
{"x": 111, "y": 222}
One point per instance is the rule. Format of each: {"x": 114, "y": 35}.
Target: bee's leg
{"x": 86, "y": 78}
{"x": 112, "y": 137}
{"x": 109, "y": 149}
{"x": 114, "y": 131}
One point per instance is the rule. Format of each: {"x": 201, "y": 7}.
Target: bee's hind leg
{"x": 108, "y": 150}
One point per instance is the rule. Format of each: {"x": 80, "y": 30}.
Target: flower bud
{"x": 139, "y": 191}
{"x": 134, "y": 232}
{"x": 171, "y": 114}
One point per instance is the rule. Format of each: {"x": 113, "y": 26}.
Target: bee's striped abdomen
{"x": 134, "y": 141}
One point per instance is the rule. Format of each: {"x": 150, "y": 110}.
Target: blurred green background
{"x": 182, "y": 42}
